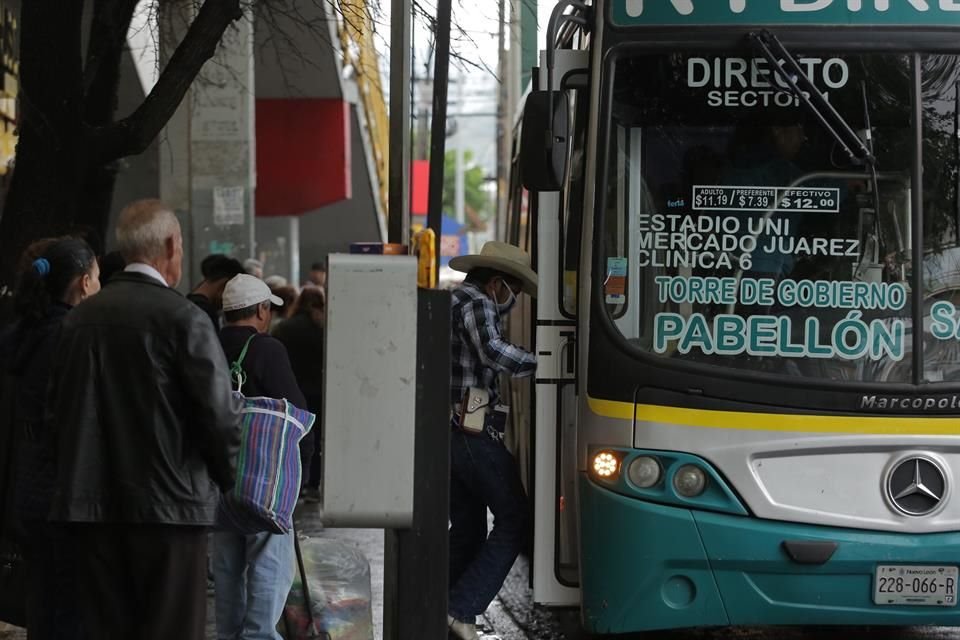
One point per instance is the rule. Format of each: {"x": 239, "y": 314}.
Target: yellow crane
{"x": 356, "y": 40}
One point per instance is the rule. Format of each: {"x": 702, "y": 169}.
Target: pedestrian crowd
{"x": 127, "y": 405}
{"x": 126, "y": 420}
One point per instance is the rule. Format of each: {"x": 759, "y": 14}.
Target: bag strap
{"x": 237, "y": 374}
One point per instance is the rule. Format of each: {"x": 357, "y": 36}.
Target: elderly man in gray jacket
{"x": 148, "y": 433}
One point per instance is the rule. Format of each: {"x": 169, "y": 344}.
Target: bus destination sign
{"x": 640, "y": 13}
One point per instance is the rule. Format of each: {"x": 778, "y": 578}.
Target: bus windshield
{"x": 739, "y": 232}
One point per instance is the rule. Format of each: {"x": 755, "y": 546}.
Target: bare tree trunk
{"x": 96, "y": 202}
{"x": 50, "y": 157}
{"x": 111, "y": 21}
{"x": 65, "y": 166}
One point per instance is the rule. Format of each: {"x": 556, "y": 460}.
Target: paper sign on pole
{"x": 228, "y": 206}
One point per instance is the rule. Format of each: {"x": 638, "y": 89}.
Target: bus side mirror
{"x": 543, "y": 149}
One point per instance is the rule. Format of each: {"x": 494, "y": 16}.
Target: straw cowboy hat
{"x": 504, "y": 258}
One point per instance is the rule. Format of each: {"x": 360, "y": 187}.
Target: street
{"x": 563, "y": 624}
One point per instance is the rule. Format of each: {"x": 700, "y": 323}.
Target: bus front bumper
{"x": 649, "y": 566}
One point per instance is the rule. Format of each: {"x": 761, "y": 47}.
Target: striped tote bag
{"x": 268, "y": 467}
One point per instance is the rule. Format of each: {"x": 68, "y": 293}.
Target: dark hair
{"x": 481, "y": 276}
{"x": 288, "y": 294}
{"x": 220, "y": 267}
{"x": 47, "y": 278}
{"x": 236, "y": 315}
{"x": 310, "y": 298}
{"x": 110, "y": 265}
{"x": 207, "y": 262}
{"x": 318, "y": 266}
{"x": 223, "y": 268}
{"x": 33, "y": 251}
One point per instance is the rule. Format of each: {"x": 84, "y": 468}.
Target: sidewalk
{"x": 367, "y": 541}
{"x": 501, "y": 619}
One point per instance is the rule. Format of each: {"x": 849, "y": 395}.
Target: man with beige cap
{"x": 483, "y": 473}
{"x": 253, "y": 572}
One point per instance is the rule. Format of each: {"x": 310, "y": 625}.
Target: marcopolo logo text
{"x": 901, "y": 404}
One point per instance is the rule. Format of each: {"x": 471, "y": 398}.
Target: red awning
{"x": 303, "y": 155}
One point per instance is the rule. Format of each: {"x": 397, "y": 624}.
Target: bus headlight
{"x": 644, "y": 472}
{"x": 689, "y": 481}
{"x": 605, "y": 465}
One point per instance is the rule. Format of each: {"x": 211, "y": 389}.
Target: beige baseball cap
{"x": 244, "y": 291}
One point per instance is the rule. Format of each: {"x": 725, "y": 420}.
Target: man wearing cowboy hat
{"x": 483, "y": 472}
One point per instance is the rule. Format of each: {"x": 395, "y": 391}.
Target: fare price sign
{"x": 764, "y": 199}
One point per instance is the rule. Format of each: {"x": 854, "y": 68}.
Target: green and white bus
{"x": 745, "y": 216}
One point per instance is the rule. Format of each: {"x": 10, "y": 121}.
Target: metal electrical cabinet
{"x": 369, "y": 391}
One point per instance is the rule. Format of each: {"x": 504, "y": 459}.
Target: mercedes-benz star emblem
{"x": 916, "y": 486}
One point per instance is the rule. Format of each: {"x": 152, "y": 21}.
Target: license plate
{"x": 923, "y": 585}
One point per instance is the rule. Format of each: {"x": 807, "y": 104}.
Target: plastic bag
{"x": 268, "y": 467}
{"x": 338, "y": 584}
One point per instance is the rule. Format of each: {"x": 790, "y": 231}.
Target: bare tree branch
{"x": 111, "y": 21}
{"x": 133, "y": 134}
{"x": 111, "y": 18}
{"x": 286, "y": 29}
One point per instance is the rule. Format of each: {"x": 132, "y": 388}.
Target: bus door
{"x": 555, "y": 572}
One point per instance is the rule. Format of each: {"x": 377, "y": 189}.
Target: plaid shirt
{"x": 479, "y": 352}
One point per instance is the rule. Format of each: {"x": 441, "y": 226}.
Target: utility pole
{"x": 528, "y": 37}
{"x": 511, "y": 79}
{"x": 502, "y": 127}
{"x": 424, "y": 91}
{"x": 398, "y": 214}
{"x": 516, "y": 55}
{"x": 459, "y": 196}
{"x": 509, "y": 33}
{"x": 438, "y": 133}
{"x": 416, "y": 559}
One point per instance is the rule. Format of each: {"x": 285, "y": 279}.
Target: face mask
{"x": 504, "y": 307}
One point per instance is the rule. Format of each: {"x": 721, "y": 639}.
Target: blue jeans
{"x": 483, "y": 474}
{"x": 252, "y": 577}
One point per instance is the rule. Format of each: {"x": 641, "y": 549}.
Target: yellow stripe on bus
{"x": 746, "y": 421}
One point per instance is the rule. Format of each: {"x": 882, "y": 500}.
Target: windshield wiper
{"x": 788, "y": 69}
{"x": 858, "y": 149}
